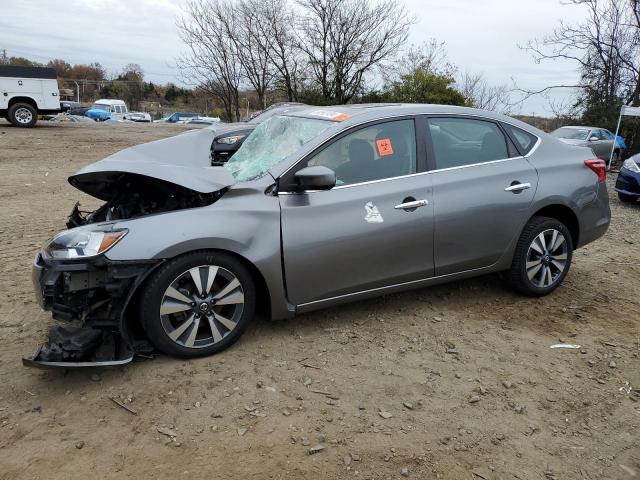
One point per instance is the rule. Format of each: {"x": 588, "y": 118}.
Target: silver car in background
{"x": 600, "y": 140}
{"x": 320, "y": 206}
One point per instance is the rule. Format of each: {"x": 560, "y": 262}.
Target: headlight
{"x": 82, "y": 243}
{"x": 630, "y": 164}
{"x": 230, "y": 140}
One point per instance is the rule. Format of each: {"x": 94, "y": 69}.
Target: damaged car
{"x": 318, "y": 207}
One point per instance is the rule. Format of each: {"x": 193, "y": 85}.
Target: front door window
{"x": 376, "y": 152}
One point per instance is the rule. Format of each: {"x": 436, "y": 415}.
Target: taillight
{"x": 599, "y": 168}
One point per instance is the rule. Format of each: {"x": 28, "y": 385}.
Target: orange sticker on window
{"x": 384, "y": 147}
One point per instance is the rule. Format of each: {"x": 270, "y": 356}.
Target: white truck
{"x": 26, "y": 92}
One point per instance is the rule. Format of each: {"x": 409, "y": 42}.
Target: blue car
{"x": 98, "y": 114}
{"x": 628, "y": 182}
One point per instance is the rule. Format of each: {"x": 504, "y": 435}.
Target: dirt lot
{"x": 453, "y": 382}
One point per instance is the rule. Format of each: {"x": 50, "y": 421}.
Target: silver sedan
{"x": 320, "y": 206}
{"x": 599, "y": 140}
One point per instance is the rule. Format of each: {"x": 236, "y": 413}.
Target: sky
{"x": 481, "y": 36}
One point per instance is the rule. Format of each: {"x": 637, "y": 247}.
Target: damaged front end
{"x": 131, "y": 196}
{"x": 73, "y": 277}
{"x": 90, "y": 296}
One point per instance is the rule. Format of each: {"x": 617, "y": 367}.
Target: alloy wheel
{"x": 546, "y": 258}
{"x": 23, "y": 115}
{"x": 202, "y": 306}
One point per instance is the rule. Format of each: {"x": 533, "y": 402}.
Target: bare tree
{"x": 284, "y": 53}
{"x": 253, "y": 38}
{"x": 343, "y": 40}
{"x": 605, "y": 48}
{"x": 430, "y": 56}
{"x": 481, "y": 94}
{"x": 212, "y": 60}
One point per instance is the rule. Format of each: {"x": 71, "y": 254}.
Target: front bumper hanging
{"x": 90, "y": 297}
{"x": 77, "y": 347}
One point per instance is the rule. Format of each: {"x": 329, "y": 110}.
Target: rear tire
{"x": 627, "y": 198}
{"x": 197, "y": 304}
{"x": 542, "y": 257}
{"x": 22, "y": 115}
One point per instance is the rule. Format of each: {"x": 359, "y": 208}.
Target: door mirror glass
{"x": 315, "y": 178}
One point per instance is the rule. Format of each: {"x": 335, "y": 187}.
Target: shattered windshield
{"x": 271, "y": 142}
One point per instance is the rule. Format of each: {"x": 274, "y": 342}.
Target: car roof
{"x": 107, "y": 101}
{"x": 360, "y": 113}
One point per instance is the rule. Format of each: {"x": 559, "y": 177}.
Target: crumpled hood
{"x": 182, "y": 160}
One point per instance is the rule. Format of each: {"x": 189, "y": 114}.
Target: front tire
{"x": 542, "y": 257}
{"x": 627, "y": 198}
{"x": 198, "y": 304}
{"x": 22, "y": 115}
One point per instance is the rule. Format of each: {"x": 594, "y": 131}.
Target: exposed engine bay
{"x": 132, "y": 195}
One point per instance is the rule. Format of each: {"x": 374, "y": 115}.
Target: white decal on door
{"x": 373, "y": 214}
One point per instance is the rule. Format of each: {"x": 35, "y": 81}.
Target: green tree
{"x": 22, "y": 62}
{"x": 420, "y": 86}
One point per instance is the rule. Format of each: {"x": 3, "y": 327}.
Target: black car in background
{"x": 230, "y": 136}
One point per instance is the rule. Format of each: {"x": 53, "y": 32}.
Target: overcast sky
{"x": 481, "y": 36}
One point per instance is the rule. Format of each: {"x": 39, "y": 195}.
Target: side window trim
{"x": 287, "y": 177}
{"x": 512, "y": 149}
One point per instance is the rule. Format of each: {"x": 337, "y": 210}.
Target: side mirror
{"x": 593, "y": 138}
{"x": 315, "y": 178}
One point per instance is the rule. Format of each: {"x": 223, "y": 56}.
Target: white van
{"x": 26, "y": 92}
{"x": 117, "y": 108}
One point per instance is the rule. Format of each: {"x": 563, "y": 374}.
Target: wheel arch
{"x": 22, "y": 99}
{"x": 563, "y": 214}
{"x": 130, "y": 325}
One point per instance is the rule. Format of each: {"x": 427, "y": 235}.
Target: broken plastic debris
{"x": 565, "y": 345}
{"x": 626, "y": 388}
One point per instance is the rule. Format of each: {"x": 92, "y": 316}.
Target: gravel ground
{"x": 451, "y": 382}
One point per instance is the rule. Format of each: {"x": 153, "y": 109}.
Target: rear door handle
{"x": 412, "y": 205}
{"x": 517, "y": 187}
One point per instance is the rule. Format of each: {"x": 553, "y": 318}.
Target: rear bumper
{"x": 91, "y": 297}
{"x": 594, "y": 217}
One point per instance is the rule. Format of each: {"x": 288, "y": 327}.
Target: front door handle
{"x": 517, "y": 187}
{"x": 412, "y": 205}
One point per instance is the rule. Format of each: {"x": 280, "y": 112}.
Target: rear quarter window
{"x": 525, "y": 141}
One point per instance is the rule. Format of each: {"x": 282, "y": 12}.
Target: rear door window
{"x": 465, "y": 141}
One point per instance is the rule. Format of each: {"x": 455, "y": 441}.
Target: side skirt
{"x": 401, "y": 287}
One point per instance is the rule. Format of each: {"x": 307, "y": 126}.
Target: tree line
{"x": 94, "y": 82}
{"x": 319, "y": 52}
{"x": 605, "y": 51}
